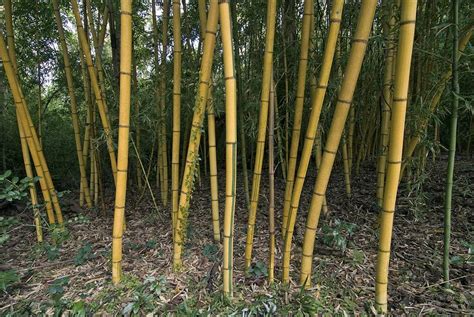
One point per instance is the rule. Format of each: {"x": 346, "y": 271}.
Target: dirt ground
{"x": 343, "y": 278}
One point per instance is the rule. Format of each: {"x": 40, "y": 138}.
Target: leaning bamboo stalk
{"x": 28, "y": 132}
{"x": 32, "y": 188}
{"x": 298, "y": 116}
{"x": 329, "y": 51}
{"x": 400, "y": 94}
{"x": 123, "y": 137}
{"x": 25, "y": 115}
{"x": 73, "y": 100}
{"x": 95, "y": 87}
{"x": 190, "y": 167}
{"x": 23, "y": 140}
{"x": 96, "y": 42}
{"x": 351, "y": 75}
{"x": 262, "y": 127}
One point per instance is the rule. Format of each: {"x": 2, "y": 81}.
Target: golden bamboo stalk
{"x": 123, "y": 137}
{"x": 329, "y": 51}
{"x": 231, "y": 142}
{"x": 95, "y": 87}
{"x": 72, "y": 97}
{"x": 190, "y": 167}
{"x": 351, "y": 75}
{"x": 400, "y": 94}
{"x": 262, "y": 126}
{"x": 177, "y": 53}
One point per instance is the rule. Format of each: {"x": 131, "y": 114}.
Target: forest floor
{"x": 75, "y": 275}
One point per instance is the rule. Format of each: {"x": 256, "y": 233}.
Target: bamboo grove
{"x": 163, "y": 96}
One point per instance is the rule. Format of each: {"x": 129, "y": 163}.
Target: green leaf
{"x": 7, "y": 278}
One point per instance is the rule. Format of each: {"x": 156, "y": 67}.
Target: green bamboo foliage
{"x": 329, "y": 51}
{"x": 344, "y": 101}
{"x": 298, "y": 116}
{"x": 190, "y": 168}
{"x": 435, "y": 100}
{"x": 72, "y": 97}
{"x": 231, "y": 143}
{"x": 262, "y": 126}
{"x": 400, "y": 94}
{"x": 123, "y": 137}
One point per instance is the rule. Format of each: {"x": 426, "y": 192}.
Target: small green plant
{"x": 52, "y": 252}
{"x": 258, "y": 269}
{"x": 84, "y": 254}
{"x": 79, "y": 219}
{"x": 80, "y": 309}
{"x": 467, "y": 258}
{"x": 263, "y": 305}
{"x": 337, "y": 235}
{"x": 57, "y": 288}
{"x": 150, "y": 244}
{"x": 306, "y": 304}
{"x": 59, "y": 234}
{"x": 145, "y": 296}
{"x": 12, "y": 188}
{"x": 210, "y": 251}
{"x": 7, "y": 278}
{"x": 5, "y": 223}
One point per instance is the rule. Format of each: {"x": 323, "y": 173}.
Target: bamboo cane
{"x": 400, "y": 94}
{"x": 262, "y": 126}
{"x": 123, "y": 137}
{"x": 298, "y": 116}
{"x": 335, "y": 20}
{"x": 72, "y": 97}
{"x": 231, "y": 142}
{"x": 177, "y": 53}
{"x": 359, "y": 44}
{"x": 95, "y": 87}
{"x": 190, "y": 167}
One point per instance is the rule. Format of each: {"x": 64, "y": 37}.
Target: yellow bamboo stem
{"x": 262, "y": 126}
{"x": 72, "y": 96}
{"x": 32, "y": 188}
{"x": 123, "y": 137}
{"x": 96, "y": 88}
{"x": 211, "y": 126}
{"x": 190, "y": 167}
{"x": 400, "y": 94}
{"x": 298, "y": 116}
{"x": 231, "y": 142}
{"x": 27, "y": 131}
{"x": 176, "y": 110}
{"x": 335, "y": 21}
{"x": 351, "y": 75}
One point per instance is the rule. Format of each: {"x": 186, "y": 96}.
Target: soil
{"x": 343, "y": 278}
